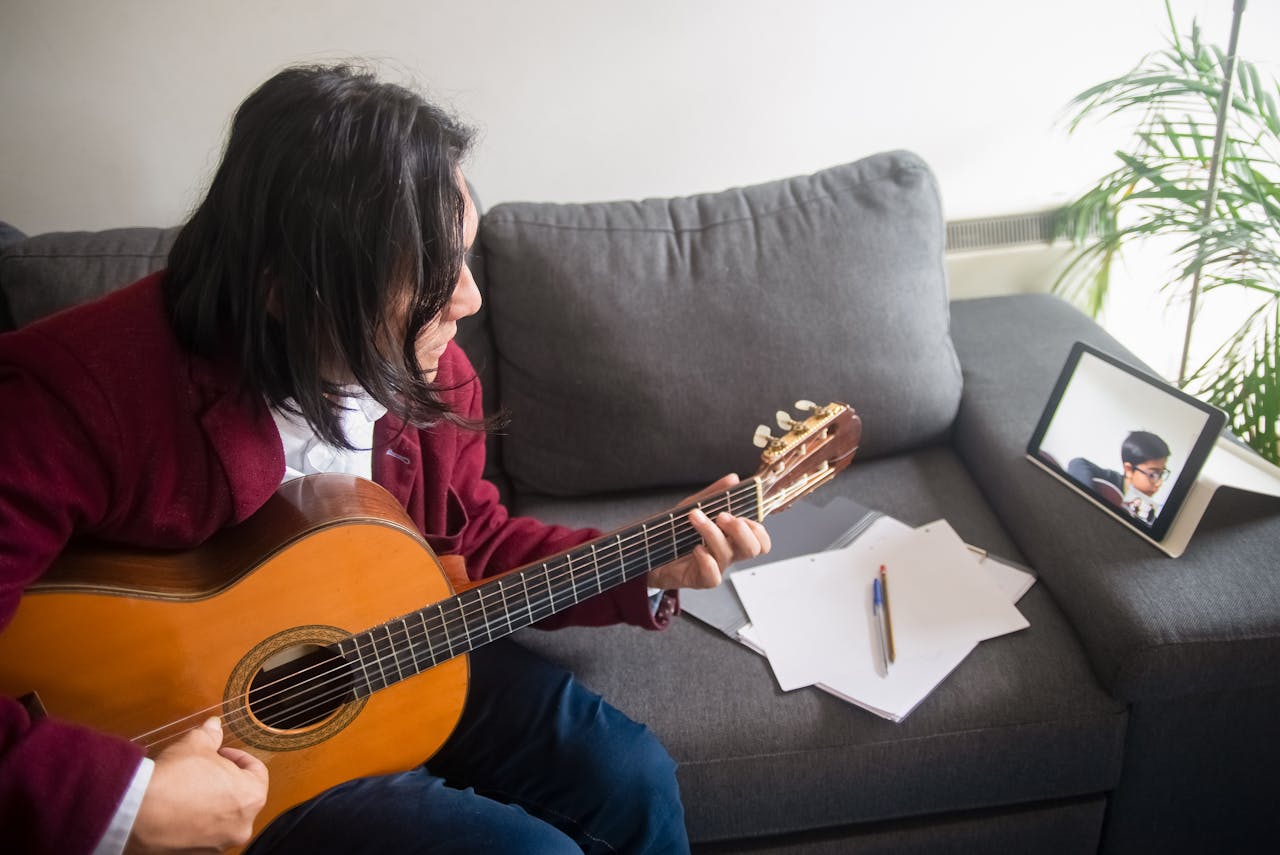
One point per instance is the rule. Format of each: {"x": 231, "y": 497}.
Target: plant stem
{"x": 1212, "y": 197}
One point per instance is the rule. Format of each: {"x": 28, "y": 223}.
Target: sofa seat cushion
{"x": 636, "y": 340}
{"x": 1022, "y": 719}
{"x": 1058, "y": 828}
{"x": 48, "y": 272}
{"x": 1155, "y": 627}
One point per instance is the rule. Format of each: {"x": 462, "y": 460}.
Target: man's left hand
{"x": 725, "y": 539}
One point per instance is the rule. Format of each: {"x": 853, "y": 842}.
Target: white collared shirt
{"x": 307, "y": 454}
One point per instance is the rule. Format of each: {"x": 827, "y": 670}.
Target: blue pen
{"x": 877, "y": 609}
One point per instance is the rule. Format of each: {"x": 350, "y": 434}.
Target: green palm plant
{"x": 1216, "y": 198}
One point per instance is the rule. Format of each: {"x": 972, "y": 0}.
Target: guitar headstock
{"x": 813, "y": 449}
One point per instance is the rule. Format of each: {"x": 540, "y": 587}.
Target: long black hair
{"x": 336, "y": 213}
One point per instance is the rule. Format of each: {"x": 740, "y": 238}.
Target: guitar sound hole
{"x": 299, "y": 687}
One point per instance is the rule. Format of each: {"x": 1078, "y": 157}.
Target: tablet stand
{"x": 1229, "y": 465}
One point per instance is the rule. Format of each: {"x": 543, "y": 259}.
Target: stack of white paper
{"x": 812, "y": 615}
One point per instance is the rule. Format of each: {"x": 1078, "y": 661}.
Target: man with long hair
{"x": 304, "y": 324}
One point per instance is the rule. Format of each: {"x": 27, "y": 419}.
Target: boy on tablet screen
{"x": 1144, "y": 457}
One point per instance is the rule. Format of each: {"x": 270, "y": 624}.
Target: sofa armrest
{"x": 1153, "y": 626}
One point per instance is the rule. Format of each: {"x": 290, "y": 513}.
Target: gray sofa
{"x": 637, "y": 345}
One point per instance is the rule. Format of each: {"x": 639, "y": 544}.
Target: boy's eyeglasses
{"x": 1155, "y": 475}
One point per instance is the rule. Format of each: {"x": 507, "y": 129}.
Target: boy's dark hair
{"x": 1141, "y": 446}
{"x": 338, "y": 201}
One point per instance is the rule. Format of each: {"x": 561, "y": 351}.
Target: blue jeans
{"x": 538, "y": 764}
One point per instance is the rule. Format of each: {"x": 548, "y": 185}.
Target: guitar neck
{"x": 412, "y": 643}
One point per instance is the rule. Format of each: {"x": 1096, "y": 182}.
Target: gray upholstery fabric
{"x": 52, "y": 271}
{"x": 1199, "y": 775}
{"x": 9, "y": 235}
{"x": 1068, "y": 828}
{"x": 1022, "y": 719}
{"x": 1154, "y": 626}
{"x": 627, "y": 330}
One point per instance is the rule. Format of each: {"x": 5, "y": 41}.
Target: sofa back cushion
{"x": 638, "y": 344}
{"x": 52, "y": 271}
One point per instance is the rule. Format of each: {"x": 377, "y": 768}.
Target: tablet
{"x": 1129, "y": 442}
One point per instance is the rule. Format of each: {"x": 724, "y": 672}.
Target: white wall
{"x": 114, "y": 111}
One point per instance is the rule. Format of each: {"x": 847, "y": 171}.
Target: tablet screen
{"x": 1129, "y": 441}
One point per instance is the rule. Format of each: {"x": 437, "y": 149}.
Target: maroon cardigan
{"x": 111, "y": 429}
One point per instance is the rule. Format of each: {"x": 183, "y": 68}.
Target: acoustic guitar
{"x": 323, "y": 631}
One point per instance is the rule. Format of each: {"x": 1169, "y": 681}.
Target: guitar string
{"x": 768, "y": 505}
{"x": 395, "y": 652}
{"x": 413, "y": 639}
{"x": 466, "y": 617}
{"x": 561, "y": 569}
{"x": 343, "y": 673}
{"x": 337, "y": 682}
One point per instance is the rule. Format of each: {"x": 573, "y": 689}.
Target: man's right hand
{"x": 202, "y": 797}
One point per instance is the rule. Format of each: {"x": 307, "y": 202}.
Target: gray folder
{"x": 804, "y": 528}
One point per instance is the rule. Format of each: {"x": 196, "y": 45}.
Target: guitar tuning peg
{"x": 785, "y": 421}
{"x": 763, "y": 437}
{"x": 806, "y": 406}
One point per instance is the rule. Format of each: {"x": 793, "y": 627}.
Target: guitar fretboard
{"x": 412, "y": 643}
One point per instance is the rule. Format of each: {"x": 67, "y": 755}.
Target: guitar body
{"x": 147, "y": 662}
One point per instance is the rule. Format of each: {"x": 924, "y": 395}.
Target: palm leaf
{"x": 1160, "y": 188}
{"x": 1248, "y": 390}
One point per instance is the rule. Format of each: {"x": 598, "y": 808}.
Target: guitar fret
{"x": 355, "y": 652}
{"x": 404, "y": 664}
{"x": 426, "y": 634}
{"x": 551, "y": 593}
{"x": 370, "y": 661}
{"x": 598, "y": 559}
{"x": 364, "y": 664}
{"x": 379, "y": 659}
{"x": 488, "y": 630}
{"x": 466, "y": 623}
{"x": 658, "y": 551}
{"x": 606, "y": 561}
{"x": 550, "y": 600}
{"x": 467, "y": 617}
{"x": 444, "y": 628}
{"x": 366, "y": 661}
{"x": 595, "y": 565}
{"x": 392, "y": 672}
{"x": 505, "y": 609}
{"x": 395, "y": 655}
{"x": 408, "y": 640}
{"x": 622, "y": 558}
{"x": 675, "y": 545}
{"x": 487, "y": 614}
{"x": 524, "y": 586}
